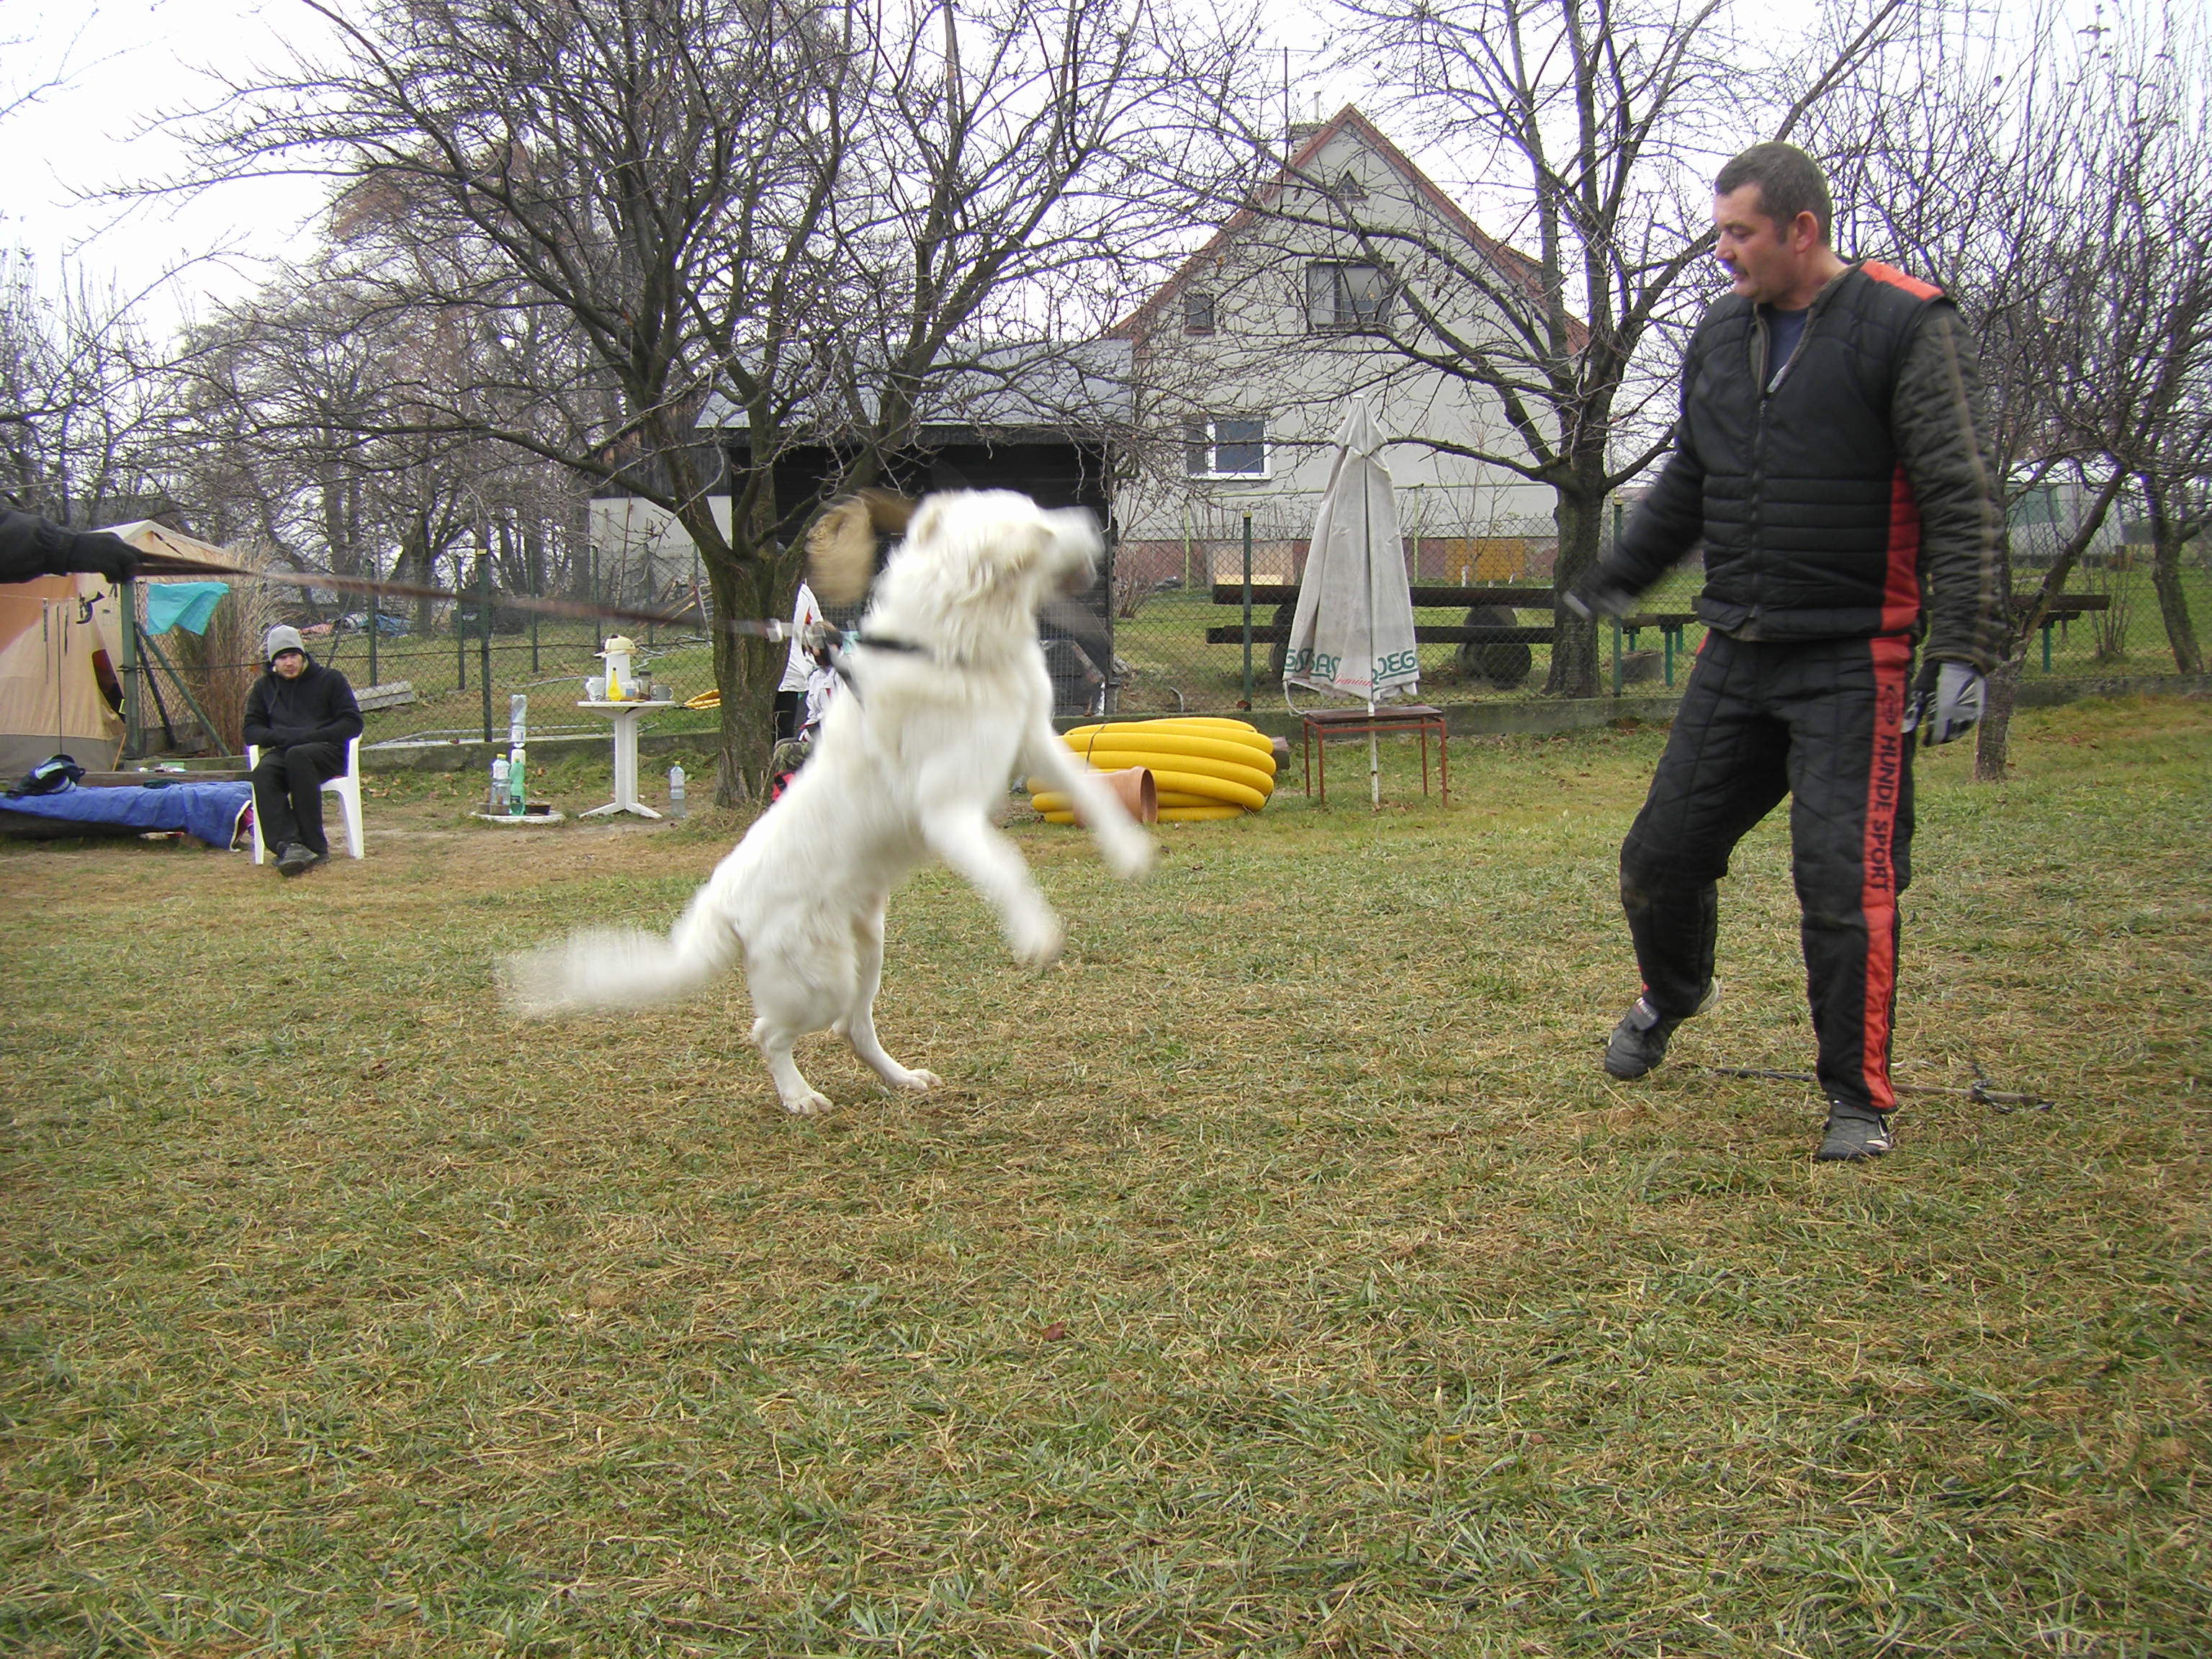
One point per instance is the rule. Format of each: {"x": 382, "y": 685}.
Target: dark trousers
{"x": 288, "y": 793}
{"x": 1817, "y": 721}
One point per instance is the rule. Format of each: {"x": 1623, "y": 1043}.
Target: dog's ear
{"x": 922, "y": 527}
{"x": 842, "y": 548}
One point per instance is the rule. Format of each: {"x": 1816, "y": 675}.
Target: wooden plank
{"x": 392, "y": 694}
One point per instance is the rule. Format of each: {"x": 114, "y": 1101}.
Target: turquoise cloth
{"x": 181, "y": 604}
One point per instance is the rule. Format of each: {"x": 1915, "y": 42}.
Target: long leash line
{"x": 169, "y": 564}
{"x": 1979, "y": 1092}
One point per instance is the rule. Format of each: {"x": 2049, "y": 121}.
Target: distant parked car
{"x": 357, "y": 620}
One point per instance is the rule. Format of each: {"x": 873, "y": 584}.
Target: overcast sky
{"x": 108, "y": 71}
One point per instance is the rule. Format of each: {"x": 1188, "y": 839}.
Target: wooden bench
{"x": 1277, "y": 594}
{"x": 2065, "y": 608}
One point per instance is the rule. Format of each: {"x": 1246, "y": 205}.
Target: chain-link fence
{"x": 1180, "y": 642}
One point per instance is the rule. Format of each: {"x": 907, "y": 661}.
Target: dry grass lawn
{"x": 1278, "y": 1275}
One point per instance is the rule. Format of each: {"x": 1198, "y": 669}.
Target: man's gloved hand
{"x": 104, "y": 554}
{"x": 1594, "y": 597}
{"x": 1946, "y": 701}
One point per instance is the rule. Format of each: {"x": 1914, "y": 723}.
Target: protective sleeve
{"x": 1667, "y": 523}
{"x": 31, "y": 546}
{"x": 1939, "y": 418}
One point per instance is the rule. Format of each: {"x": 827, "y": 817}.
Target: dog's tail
{"x": 617, "y": 966}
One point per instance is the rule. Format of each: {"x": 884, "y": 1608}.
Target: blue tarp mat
{"x": 181, "y": 604}
{"x": 208, "y": 810}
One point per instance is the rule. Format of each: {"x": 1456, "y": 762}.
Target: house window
{"x": 1225, "y": 447}
{"x": 1342, "y": 295}
{"x": 1349, "y": 188}
{"x": 1197, "y": 314}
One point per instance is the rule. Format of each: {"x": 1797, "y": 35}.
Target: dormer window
{"x": 1197, "y": 313}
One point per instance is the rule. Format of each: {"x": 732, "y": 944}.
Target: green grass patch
{"x": 1279, "y": 1274}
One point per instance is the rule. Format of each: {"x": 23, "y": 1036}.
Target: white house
{"x": 1245, "y": 358}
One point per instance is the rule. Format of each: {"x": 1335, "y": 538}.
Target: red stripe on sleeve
{"x": 1900, "y": 582}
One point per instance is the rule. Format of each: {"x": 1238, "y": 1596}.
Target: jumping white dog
{"x": 948, "y": 701}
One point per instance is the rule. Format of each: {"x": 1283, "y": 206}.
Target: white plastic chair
{"x": 346, "y": 786}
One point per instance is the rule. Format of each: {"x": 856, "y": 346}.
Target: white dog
{"x": 948, "y": 701}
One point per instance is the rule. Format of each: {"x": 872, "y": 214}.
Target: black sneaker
{"x": 1639, "y": 1042}
{"x": 1855, "y": 1134}
{"x": 292, "y": 860}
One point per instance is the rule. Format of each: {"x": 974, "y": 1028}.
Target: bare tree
{"x": 812, "y": 215}
{"x": 1591, "y": 127}
{"x": 2047, "y": 176}
{"x": 79, "y": 409}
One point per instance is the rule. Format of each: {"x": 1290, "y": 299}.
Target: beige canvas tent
{"x": 60, "y": 641}
{"x": 61, "y": 651}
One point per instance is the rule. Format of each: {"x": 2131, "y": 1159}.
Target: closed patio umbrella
{"x": 1352, "y": 633}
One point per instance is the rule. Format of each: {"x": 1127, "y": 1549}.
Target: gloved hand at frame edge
{"x": 1948, "y": 699}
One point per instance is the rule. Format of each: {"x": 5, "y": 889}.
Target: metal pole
{"x": 1616, "y": 657}
{"x": 126, "y": 595}
{"x": 1248, "y": 610}
{"x": 484, "y": 617}
{"x": 373, "y": 631}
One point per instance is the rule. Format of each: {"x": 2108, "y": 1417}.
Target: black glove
{"x": 103, "y": 554}
{"x": 1594, "y": 597}
{"x": 1948, "y": 699}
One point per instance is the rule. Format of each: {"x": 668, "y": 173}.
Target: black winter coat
{"x": 316, "y": 708}
{"x": 1842, "y": 496}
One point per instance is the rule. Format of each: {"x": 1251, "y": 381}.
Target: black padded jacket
{"x": 1846, "y": 494}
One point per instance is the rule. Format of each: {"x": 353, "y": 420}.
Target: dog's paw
{"x": 1129, "y": 855}
{"x": 1037, "y": 941}
{"x": 810, "y": 1104}
{"x": 915, "y": 1082}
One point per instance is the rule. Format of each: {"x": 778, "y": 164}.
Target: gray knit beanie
{"x": 282, "y": 638}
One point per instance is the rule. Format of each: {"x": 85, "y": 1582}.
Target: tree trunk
{"x": 747, "y": 669}
{"x": 2174, "y": 600}
{"x": 1579, "y": 513}
{"x": 1993, "y": 737}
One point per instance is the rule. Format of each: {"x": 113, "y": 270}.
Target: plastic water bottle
{"x": 675, "y": 792}
{"x": 496, "y": 802}
{"x": 515, "y": 787}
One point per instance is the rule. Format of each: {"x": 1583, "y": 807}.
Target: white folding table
{"x": 625, "y": 717}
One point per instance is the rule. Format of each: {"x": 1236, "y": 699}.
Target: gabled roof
{"x": 1043, "y": 384}
{"x": 1516, "y": 267}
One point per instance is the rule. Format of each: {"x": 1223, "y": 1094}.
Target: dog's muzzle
{"x": 1079, "y": 541}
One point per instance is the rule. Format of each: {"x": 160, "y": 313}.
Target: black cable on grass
{"x": 2000, "y": 1100}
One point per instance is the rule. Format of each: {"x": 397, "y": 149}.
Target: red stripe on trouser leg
{"x": 1893, "y": 662}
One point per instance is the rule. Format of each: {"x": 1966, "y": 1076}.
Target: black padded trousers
{"x": 287, "y": 794}
{"x": 1818, "y": 721}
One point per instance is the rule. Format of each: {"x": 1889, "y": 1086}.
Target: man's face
{"x": 289, "y": 664}
{"x": 1768, "y": 262}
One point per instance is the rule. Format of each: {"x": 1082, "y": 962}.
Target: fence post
{"x": 1616, "y": 656}
{"x": 373, "y": 631}
{"x": 483, "y": 619}
{"x": 127, "y": 592}
{"x": 1248, "y": 610}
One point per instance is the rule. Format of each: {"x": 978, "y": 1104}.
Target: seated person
{"x": 300, "y": 715}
